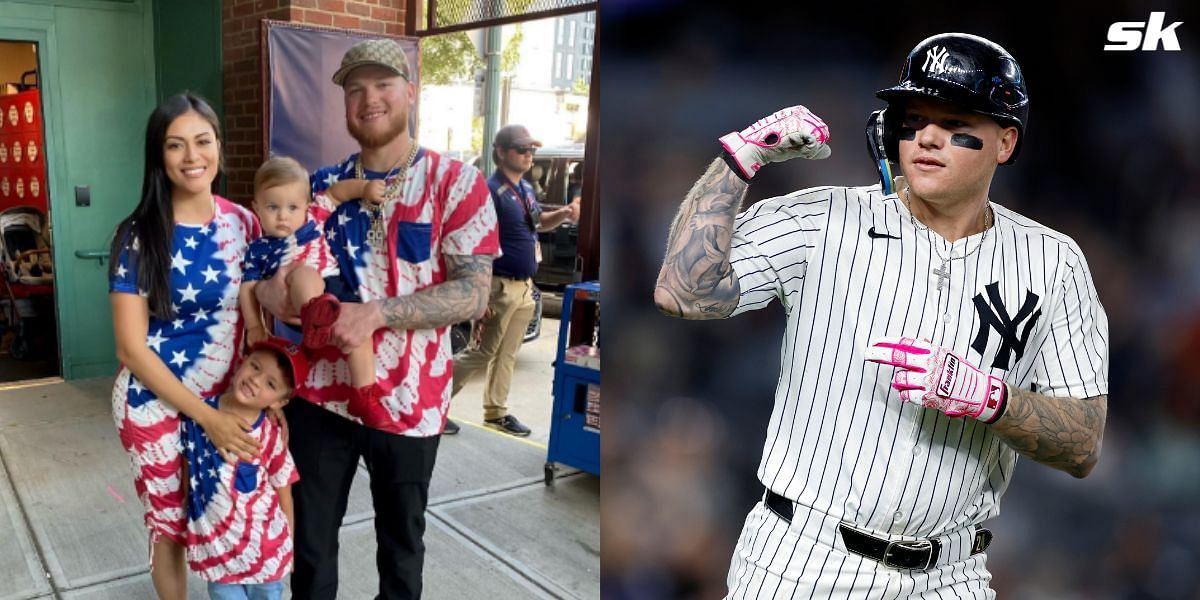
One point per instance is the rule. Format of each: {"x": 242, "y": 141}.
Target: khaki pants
{"x": 502, "y": 330}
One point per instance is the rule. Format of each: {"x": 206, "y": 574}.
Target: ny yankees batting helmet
{"x": 966, "y": 70}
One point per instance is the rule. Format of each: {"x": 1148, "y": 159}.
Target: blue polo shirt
{"x": 516, "y": 211}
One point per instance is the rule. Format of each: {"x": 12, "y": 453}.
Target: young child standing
{"x": 240, "y": 514}
{"x": 293, "y": 233}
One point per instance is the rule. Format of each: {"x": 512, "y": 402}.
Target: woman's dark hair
{"x": 152, "y": 223}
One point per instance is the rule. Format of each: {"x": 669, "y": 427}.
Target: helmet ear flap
{"x": 892, "y": 118}
{"x": 877, "y": 146}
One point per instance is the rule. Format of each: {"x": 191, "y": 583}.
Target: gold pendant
{"x": 377, "y": 233}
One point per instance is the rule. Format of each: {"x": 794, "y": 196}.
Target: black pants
{"x": 326, "y": 448}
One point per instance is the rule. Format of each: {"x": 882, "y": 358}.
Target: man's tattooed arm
{"x": 1064, "y": 433}
{"x": 463, "y": 296}
{"x": 696, "y": 280}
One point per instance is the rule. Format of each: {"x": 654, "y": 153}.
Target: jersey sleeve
{"x": 1073, "y": 361}
{"x": 469, "y": 224}
{"x": 319, "y": 181}
{"x": 281, "y": 470}
{"x": 772, "y": 242}
{"x": 123, "y": 278}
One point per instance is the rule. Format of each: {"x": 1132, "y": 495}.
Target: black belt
{"x": 915, "y": 554}
{"x": 510, "y": 278}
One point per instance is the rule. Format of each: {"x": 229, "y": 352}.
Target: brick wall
{"x": 241, "y": 47}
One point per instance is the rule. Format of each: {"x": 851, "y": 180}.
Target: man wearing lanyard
{"x": 511, "y": 305}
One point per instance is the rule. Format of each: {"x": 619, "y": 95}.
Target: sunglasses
{"x": 523, "y": 149}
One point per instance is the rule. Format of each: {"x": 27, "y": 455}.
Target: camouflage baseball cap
{"x": 381, "y": 52}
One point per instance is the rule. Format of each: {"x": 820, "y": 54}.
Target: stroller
{"x": 28, "y": 277}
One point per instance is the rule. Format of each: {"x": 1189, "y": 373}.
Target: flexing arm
{"x": 463, "y": 296}
{"x": 696, "y": 280}
{"x": 131, "y": 322}
{"x": 1064, "y": 433}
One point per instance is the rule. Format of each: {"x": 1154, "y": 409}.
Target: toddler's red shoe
{"x": 317, "y": 317}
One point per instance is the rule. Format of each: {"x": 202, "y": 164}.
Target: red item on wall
{"x": 22, "y": 151}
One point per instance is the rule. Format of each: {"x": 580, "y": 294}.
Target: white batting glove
{"x": 939, "y": 379}
{"x": 791, "y": 132}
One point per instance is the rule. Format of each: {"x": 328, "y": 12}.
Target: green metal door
{"x": 96, "y": 63}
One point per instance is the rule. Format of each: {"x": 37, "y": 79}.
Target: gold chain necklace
{"x": 943, "y": 272}
{"x": 378, "y": 231}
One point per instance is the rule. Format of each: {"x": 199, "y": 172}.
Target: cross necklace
{"x": 377, "y": 233}
{"x": 943, "y": 272}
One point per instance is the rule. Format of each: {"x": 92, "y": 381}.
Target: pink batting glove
{"x": 939, "y": 379}
{"x": 791, "y": 132}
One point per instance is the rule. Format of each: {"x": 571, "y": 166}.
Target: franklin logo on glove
{"x": 935, "y": 378}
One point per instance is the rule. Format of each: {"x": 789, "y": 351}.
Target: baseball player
{"x": 932, "y": 335}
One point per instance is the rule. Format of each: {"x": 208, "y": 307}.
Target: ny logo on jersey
{"x": 935, "y": 60}
{"x": 996, "y": 317}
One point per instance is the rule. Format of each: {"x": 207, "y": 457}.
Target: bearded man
{"x": 418, "y": 261}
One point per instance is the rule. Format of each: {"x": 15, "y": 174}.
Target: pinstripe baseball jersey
{"x": 850, "y": 265}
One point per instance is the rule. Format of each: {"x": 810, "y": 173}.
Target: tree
{"x": 448, "y": 58}
{"x": 511, "y": 54}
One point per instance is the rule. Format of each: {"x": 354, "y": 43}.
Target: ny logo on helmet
{"x": 935, "y": 60}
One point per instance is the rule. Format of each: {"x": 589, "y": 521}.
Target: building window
{"x": 572, "y": 38}
{"x": 557, "y": 65}
{"x": 571, "y": 69}
{"x": 591, "y": 17}
{"x": 558, "y": 28}
{"x": 588, "y": 32}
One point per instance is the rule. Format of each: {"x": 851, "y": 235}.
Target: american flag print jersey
{"x": 199, "y": 344}
{"x": 444, "y": 209}
{"x": 236, "y": 530}
{"x": 307, "y": 245}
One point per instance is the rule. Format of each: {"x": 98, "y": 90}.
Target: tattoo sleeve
{"x": 696, "y": 280}
{"x": 1063, "y": 433}
{"x": 461, "y": 297}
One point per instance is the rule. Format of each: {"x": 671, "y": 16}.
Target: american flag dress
{"x": 237, "y": 532}
{"x": 444, "y": 209}
{"x": 307, "y": 245}
{"x": 199, "y": 345}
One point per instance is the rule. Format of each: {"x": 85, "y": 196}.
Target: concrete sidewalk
{"x": 70, "y": 523}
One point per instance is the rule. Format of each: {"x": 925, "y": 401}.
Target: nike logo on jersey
{"x": 871, "y": 233}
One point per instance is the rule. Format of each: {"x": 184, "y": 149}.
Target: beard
{"x": 397, "y": 125}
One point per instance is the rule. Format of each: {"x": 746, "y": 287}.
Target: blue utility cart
{"x": 575, "y": 422}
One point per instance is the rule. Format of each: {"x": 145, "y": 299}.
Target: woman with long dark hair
{"x": 173, "y": 284}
